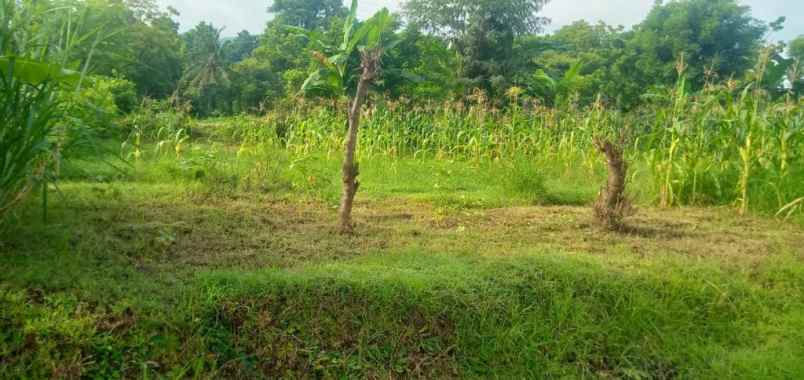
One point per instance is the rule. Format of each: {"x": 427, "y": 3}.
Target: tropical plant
{"x": 206, "y": 77}
{"x": 29, "y": 103}
{"x": 332, "y": 77}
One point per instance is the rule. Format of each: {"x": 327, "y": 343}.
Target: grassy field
{"x": 225, "y": 263}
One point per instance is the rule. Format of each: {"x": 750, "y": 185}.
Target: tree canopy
{"x": 442, "y": 49}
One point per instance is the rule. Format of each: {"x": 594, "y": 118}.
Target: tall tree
{"x": 307, "y": 14}
{"x": 156, "y": 66}
{"x": 205, "y": 78}
{"x": 419, "y": 66}
{"x": 482, "y": 31}
{"x": 240, "y": 47}
{"x": 715, "y": 37}
{"x": 283, "y": 52}
{"x": 453, "y": 18}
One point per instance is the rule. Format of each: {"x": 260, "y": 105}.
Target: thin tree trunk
{"x": 370, "y": 62}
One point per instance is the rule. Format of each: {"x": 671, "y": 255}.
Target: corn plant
{"x": 726, "y": 145}
{"x": 29, "y": 105}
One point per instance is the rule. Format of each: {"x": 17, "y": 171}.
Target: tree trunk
{"x": 612, "y": 205}
{"x": 370, "y": 63}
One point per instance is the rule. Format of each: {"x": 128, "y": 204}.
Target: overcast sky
{"x": 251, "y": 15}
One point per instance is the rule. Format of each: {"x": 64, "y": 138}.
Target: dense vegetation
{"x": 168, "y": 200}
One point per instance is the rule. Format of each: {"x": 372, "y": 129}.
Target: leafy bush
{"x": 92, "y": 110}
{"x": 124, "y": 93}
{"x": 156, "y": 122}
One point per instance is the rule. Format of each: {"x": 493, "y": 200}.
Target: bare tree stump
{"x": 612, "y": 206}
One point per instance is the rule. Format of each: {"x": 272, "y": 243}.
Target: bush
{"x": 523, "y": 180}
{"x": 93, "y": 107}
{"x": 156, "y": 122}
{"x": 124, "y": 93}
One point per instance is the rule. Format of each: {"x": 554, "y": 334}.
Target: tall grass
{"x": 40, "y": 98}
{"x": 27, "y": 105}
{"x": 26, "y": 112}
{"x": 722, "y": 146}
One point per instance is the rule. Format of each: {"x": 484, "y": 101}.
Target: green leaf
{"x": 349, "y": 25}
{"x": 35, "y": 73}
{"x": 381, "y": 22}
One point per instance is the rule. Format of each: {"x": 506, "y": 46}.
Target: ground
{"x": 172, "y": 270}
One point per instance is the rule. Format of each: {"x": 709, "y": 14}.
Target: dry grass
{"x": 251, "y": 231}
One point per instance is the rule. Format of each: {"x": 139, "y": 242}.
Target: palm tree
{"x": 206, "y": 65}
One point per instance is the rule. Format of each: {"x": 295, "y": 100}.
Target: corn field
{"x": 721, "y": 146}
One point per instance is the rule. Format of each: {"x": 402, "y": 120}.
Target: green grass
{"x": 225, "y": 263}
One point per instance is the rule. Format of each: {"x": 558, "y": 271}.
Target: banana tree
{"x": 331, "y": 78}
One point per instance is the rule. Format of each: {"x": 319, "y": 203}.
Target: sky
{"x": 251, "y": 15}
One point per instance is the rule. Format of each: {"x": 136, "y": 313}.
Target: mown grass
{"x": 224, "y": 263}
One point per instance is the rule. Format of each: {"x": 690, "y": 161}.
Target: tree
{"x": 716, "y": 37}
{"x": 332, "y": 78}
{"x": 419, "y": 66}
{"x": 307, "y": 14}
{"x": 574, "y": 62}
{"x": 453, "y": 19}
{"x": 240, "y": 47}
{"x": 482, "y": 31}
{"x": 254, "y": 84}
{"x": 206, "y": 76}
{"x": 135, "y": 39}
{"x": 284, "y": 52}
{"x": 156, "y": 64}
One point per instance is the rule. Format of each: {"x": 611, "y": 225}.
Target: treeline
{"x": 440, "y": 50}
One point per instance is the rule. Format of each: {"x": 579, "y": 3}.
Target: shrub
{"x": 523, "y": 180}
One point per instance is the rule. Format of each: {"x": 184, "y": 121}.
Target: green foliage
{"x": 97, "y": 104}
{"x": 335, "y": 63}
{"x": 206, "y": 79}
{"x": 686, "y": 148}
{"x": 254, "y": 85}
{"x": 123, "y": 91}
{"x": 155, "y": 122}
{"x": 483, "y": 32}
{"x": 419, "y": 66}
{"x": 307, "y": 14}
{"x": 573, "y": 64}
{"x": 715, "y": 36}
{"x": 240, "y": 47}
{"x": 135, "y": 40}
{"x": 525, "y": 181}
{"x": 795, "y": 72}
{"x": 455, "y": 18}
{"x": 224, "y": 221}
{"x": 28, "y": 112}
{"x": 30, "y": 84}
